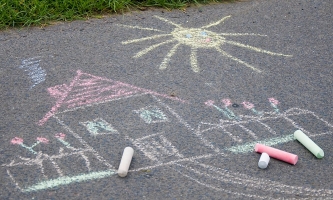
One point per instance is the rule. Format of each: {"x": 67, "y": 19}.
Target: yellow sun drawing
{"x": 196, "y": 38}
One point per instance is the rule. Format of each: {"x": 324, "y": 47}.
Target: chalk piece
{"x": 125, "y": 161}
{"x": 276, "y": 153}
{"x": 309, "y": 144}
{"x": 263, "y": 161}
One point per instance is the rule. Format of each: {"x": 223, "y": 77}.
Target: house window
{"x": 99, "y": 127}
{"x": 151, "y": 114}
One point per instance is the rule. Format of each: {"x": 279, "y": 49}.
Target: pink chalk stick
{"x": 276, "y": 153}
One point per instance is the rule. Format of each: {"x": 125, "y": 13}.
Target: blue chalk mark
{"x": 188, "y": 35}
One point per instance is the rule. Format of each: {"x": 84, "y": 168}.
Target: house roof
{"x": 86, "y": 89}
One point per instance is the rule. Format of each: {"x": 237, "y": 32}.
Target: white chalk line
{"x": 14, "y": 181}
{"x": 154, "y": 149}
{"x": 218, "y": 189}
{"x": 256, "y": 183}
{"x": 84, "y": 143}
{"x": 182, "y": 121}
{"x": 270, "y": 115}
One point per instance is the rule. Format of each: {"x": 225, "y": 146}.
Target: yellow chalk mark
{"x": 194, "y": 61}
{"x": 238, "y": 60}
{"x": 146, "y": 50}
{"x": 144, "y": 39}
{"x": 255, "y": 48}
{"x": 216, "y": 23}
{"x": 196, "y": 38}
{"x": 166, "y": 60}
{"x": 167, "y": 21}
{"x": 241, "y": 34}
{"x": 139, "y": 27}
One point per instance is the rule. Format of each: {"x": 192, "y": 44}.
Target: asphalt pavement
{"x": 192, "y": 91}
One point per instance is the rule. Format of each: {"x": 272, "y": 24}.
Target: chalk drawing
{"x": 152, "y": 114}
{"x": 65, "y": 180}
{"x": 36, "y": 73}
{"x": 42, "y": 158}
{"x": 274, "y": 104}
{"x": 227, "y": 112}
{"x": 89, "y": 90}
{"x": 99, "y": 127}
{"x": 214, "y": 174}
{"x": 195, "y": 39}
{"x": 156, "y": 147}
{"x": 250, "y": 106}
{"x": 19, "y": 141}
{"x": 61, "y": 138}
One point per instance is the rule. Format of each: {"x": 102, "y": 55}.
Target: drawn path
{"x": 192, "y": 92}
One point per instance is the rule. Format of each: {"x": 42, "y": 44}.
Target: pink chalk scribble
{"x": 87, "y": 89}
{"x": 248, "y": 105}
{"x": 17, "y": 140}
{"x": 209, "y": 103}
{"x": 273, "y": 101}
{"x": 61, "y": 136}
{"x": 227, "y": 102}
{"x": 42, "y": 140}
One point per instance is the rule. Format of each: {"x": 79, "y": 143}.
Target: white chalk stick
{"x": 263, "y": 161}
{"x": 125, "y": 161}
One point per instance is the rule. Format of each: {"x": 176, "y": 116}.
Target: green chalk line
{"x": 65, "y": 180}
{"x": 249, "y": 147}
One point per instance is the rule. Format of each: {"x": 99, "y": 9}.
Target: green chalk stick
{"x": 309, "y": 144}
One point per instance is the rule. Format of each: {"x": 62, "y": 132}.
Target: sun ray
{"x": 241, "y": 34}
{"x": 167, "y": 21}
{"x": 145, "y": 38}
{"x": 138, "y": 27}
{"x": 216, "y": 23}
{"x": 146, "y": 50}
{"x": 166, "y": 60}
{"x": 255, "y": 48}
{"x": 236, "y": 59}
{"x": 194, "y": 61}
{"x": 196, "y": 38}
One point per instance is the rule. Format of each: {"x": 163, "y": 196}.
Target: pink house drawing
{"x": 107, "y": 115}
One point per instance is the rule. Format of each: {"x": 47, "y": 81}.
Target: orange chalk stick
{"x": 276, "y": 153}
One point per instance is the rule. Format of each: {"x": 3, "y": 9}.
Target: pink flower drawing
{"x": 43, "y": 140}
{"x": 209, "y": 103}
{"x": 17, "y": 140}
{"x": 273, "y": 101}
{"x": 248, "y": 105}
{"x": 60, "y": 136}
{"x": 226, "y": 102}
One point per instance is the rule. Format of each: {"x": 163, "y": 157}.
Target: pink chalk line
{"x": 88, "y": 89}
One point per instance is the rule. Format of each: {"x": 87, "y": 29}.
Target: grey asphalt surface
{"x": 175, "y": 152}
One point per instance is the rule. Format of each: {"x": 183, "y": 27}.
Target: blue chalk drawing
{"x": 36, "y": 73}
{"x": 99, "y": 127}
{"x": 151, "y": 114}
